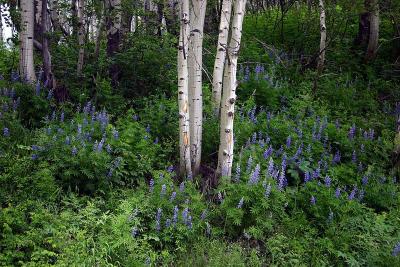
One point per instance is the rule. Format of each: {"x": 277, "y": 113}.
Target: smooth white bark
{"x": 183, "y": 87}
{"x": 322, "y": 43}
{"x": 27, "y": 69}
{"x": 225, "y": 154}
{"x": 221, "y": 54}
{"x": 1, "y": 26}
{"x": 195, "y": 64}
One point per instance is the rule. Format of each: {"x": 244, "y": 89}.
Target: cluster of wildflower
{"x": 9, "y": 104}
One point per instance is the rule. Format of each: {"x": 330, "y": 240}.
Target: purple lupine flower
{"x": 135, "y": 117}
{"x": 185, "y": 215}
{"x": 237, "y": 173}
{"x": 189, "y": 222}
{"x": 337, "y": 192}
{"x": 108, "y": 149}
{"x": 37, "y": 88}
{"x": 252, "y": 115}
{"x": 354, "y": 157}
{"x": 336, "y": 158}
{"x": 158, "y": 219}
{"x": 353, "y": 193}
{"x": 175, "y": 216}
{"x": 270, "y": 166}
{"x": 284, "y": 163}
{"x": 255, "y": 175}
{"x": 371, "y": 134}
{"x": 240, "y": 204}
{"x": 34, "y": 156}
{"x": 115, "y": 134}
{"x": 328, "y": 181}
{"x": 161, "y": 176}
{"x": 167, "y": 223}
{"x": 100, "y": 145}
{"x": 268, "y": 152}
{"x": 156, "y": 141}
{"x": 173, "y": 196}
{"x": 249, "y": 164}
{"x": 148, "y": 128}
{"x": 352, "y": 131}
{"x": 151, "y": 185}
{"x": 67, "y": 140}
{"x": 317, "y": 172}
{"x": 74, "y": 151}
{"x": 282, "y": 180}
{"x": 362, "y": 148}
{"x": 182, "y": 187}
{"x": 361, "y": 194}
{"x": 396, "y": 250}
{"x": 299, "y": 151}
{"x": 62, "y": 117}
{"x": 288, "y": 141}
{"x": 170, "y": 169}
{"x": 6, "y": 132}
{"x": 313, "y": 200}
{"x": 364, "y": 180}
{"x": 254, "y": 138}
{"x": 246, "y": 74}
{"x": 307, "y": 177}
{"x": 267, "y": 191}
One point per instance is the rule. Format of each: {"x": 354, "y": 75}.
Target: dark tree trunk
{"x": 48, "y": 76}
{"x": 171, "y": 17}
{"x": 160, "y": 15}
{"x": 113, "y": 24}
{"x": 74, "y": 22}
{"x": 363, "y": 30}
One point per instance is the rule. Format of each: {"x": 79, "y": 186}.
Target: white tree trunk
{"x": 221, "y": 54}
{"x": 225, "y": 154}
{"x": 1, "y": 26}
{"x": 81, "y": 36}
{"x": 26, "y": 63}
{"x": 195, "y": 65}
{"x": 373, "y": 30}
{"x": 183, "y": 87}
{"x": 322, "y": 43}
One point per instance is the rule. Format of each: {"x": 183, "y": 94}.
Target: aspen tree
{"x": 81, "y": 36}
{"x": 195, "y": 94}
{"x": 222, "y": 45}
{"x": 1, "y": 26}
{"x": 183, "y": 87}
{"x": 225, "y": 154}
{"x": 322, "y": 43}
{"x": 26, "y": 64}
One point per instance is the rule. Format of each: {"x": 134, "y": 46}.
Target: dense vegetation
{"x": 92, "y": 178}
